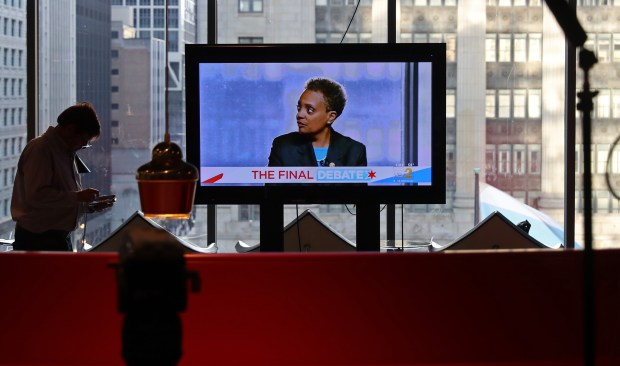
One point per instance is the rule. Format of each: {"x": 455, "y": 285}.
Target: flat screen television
{"x": 240, "y": 97}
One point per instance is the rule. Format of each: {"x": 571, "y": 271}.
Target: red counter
{"x": 507, "y": 308}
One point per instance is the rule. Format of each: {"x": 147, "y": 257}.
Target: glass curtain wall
{"x": 505, "y": 100}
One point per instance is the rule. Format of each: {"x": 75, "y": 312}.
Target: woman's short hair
{"x": 334, "y": 93}
{"x": 83, "y": 116}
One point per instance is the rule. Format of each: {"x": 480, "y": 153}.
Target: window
{"x": 602, "y": 152}
{"x": 520, "y": 46}
{"x": 519, "y": 160}
{"x": 491, "y": 162}
{"x": 158, "y": 18}
{"x": 518, "y": 110}
{"x": 249, "y": 212}
{"x": 490, "y": 104}
{"x": 534, "y": 158}
{"x": 491, "y": 48}
{"x": 603, "y": 101}
{"x": 450, "y": 104}
{"x": 504, "y": 159}
{"x": 534, "y": 109}
{"x": 535, "y": 47}
{"x": 504, "y": 104}
{"x": 145, "y": 18}
{"x": 504, "y": 48}
{"x": 250, "y": 6}
{"x": 603, "y": 47}
{"x": 250, "y": 40}
{"x": 616, "y": 46}
{"x": 614, "y": 161}
{"x": 450, "y": 47}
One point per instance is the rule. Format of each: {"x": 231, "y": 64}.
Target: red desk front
{"x": 519, "y": 308}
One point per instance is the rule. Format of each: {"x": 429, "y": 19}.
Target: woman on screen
{"x": 316, "y": 142}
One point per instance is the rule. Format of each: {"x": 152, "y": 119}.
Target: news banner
{"x": 379, "y": 175}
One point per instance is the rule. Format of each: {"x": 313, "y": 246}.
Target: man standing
{"x": 48, "y": 198}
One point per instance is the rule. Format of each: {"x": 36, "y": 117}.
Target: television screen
{"x": 317, "y": 123}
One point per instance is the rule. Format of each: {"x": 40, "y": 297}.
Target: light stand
{"x": 566, "y": 17}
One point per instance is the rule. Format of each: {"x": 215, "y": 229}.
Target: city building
{"x": 12, "y": 102}
{"x": 137, "y": 113}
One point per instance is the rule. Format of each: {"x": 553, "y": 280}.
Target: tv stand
{"x": 272, "y": 227}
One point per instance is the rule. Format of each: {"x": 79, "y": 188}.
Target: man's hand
{"x": 87, "y": 195}
{"x": 99, "y": 206}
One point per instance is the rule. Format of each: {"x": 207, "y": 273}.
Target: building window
{"x": 145, "y": 18}
{"x": 504, "y": 104}
{"x": 491, "y": 48}
{"x": 603, "y": 47}
{"x": 158, "y": 18}
{"x": 602, "y": 152}
{"x": 504, "y": 48}
{"x": 250, "y": 6}
{"x": 520, "y": 47}
{"x": 534, "y": 108}
{"x": 451, "y": 158}
{"x": 491, "y": 162}
{"x": 603, "y": 102}
{"x": 450, "y": 104}
{"x": 614, "y": 161}
{"x": 490, "y": 104}
{"x": 249, "y": 212}
{"x": 173, "y": 18}
{"x": 450, "y": 47}
{"x": 535, "y": 47}
{"x": 534, "y": 158}
{"x": 519, "y": 161}
{"x": 504, "y": 159}
{"x": 250, "y": 40}
{"x": 518, "y": 110}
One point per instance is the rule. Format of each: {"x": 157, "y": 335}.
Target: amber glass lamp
{"x": 167, "y": 184}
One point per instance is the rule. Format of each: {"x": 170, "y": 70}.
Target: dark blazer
{"x": 295, "y": 149}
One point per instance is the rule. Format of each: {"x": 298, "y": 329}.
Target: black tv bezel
{"x": 316, "y": 193}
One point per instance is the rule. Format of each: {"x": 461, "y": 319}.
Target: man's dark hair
{"x": 333, "y": 92}
{"x": 83, "y": 116}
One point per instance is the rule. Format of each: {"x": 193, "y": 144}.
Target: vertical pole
{"x": 570, "y": 130}
{"x": 476, "y": 196}
{"x": 587, "y": 59}
{"x": 391, "y": 208}
{"x": 32, "y": 67}
{"x": 368, "y": 228}
{"x": 271, "y": 227}
{"x": 212, "y": 39}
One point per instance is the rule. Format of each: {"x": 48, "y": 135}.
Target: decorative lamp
{"x": 167, "y": 184}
